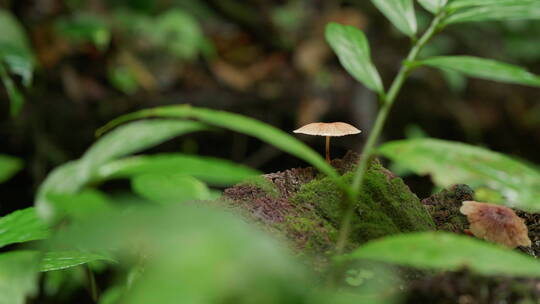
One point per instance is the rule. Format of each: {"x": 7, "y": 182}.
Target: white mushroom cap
{"x": 328, "y": 129}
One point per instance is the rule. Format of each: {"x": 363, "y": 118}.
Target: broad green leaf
{"x": 169, "y": 188}
{"x": 132, "y": 138}
{"x": 434, "y": 6}
{"x": 9, "y": 165}
{"x": 12, "y": 31}
{"x": 216, "y": 255}
{"x": 400, "y": 13}
{"x": 451, "y": 163}
{"x": 458, "y": 4}
{"x": 352, "y": 48}
{"x": 484, "y": 68}
{"x": 496, "y": 13}
{"x": 240, "y": 124}
{"x": 22, "y": 226}
{"x": 64, "y": 179}
{"x": 18, "y": 276}
{"x": 81, "y": 205}
{"x": 57, "y": 260}
{"x": 211, "y": 170}
{"x": 448, "y": 251}
{"x": 128, "y": 139}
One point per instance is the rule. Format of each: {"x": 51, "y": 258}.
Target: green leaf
{"x": 12, "y": 31}
{"x": 64, "y": 179}
{"x": 448, "y": 251}
{"x": 18, "y": 276}
{"x": 459, "y": 4}
{"x": 434, "y": 6}
{"x": 82, "y": 205}
{"x": 84, "y": 27}
{"x": 132, "y": 138}
{"x": 113, "y": 295}
{"x": 14, "y": 95}
{"x": 57, "y": 260}
{"x": 8, "y": 167}
{"x": 484, "y": 68}
{"x": 240, "y": 124}
{"x": 352, "y": 48}
{"x": 179, "y": 33}
{"x": 123, "y": 78}
{"x": 15, "y": 57}
{"x": 22, "y": 226}
{"x": 215, "y": 255}
{"x": 15, "y": 49}
{"x": 212, "y": 170}
{"x": 400, "y": 13}
{"x": 169, "y": 188}
{"x": 451, "y": 163}
{"x": 496, "y": 13}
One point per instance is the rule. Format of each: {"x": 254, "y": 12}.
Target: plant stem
{"x": 91, "y": 281}
{"x": 373, "y": 137}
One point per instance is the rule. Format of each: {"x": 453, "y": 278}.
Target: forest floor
{"x": 291, "y": 212}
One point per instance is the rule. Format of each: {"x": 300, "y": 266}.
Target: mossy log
{"x": 307, "y": 206}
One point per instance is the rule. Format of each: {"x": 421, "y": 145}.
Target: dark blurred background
{"x": 266, "y": 59}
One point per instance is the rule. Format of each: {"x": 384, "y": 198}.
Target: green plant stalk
{"x": 367, "y": 152}
{"x": 91, "y": 283}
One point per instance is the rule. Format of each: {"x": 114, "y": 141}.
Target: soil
{"x": 313, "y": 233}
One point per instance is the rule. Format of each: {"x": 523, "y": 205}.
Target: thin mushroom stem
{"x": 328, "y": 149}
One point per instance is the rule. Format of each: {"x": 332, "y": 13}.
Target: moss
{"x": 318, "y": 236}
{"x": 385, "y": 205}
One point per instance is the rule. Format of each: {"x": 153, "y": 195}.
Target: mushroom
{"x": 328, "y": 129}
{"x": 496, "y": 223}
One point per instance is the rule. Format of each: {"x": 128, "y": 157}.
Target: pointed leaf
{"x": 485, "y": 69}
{"x": 169, "y": 188}
{"x": 434, "y": 6}
{"x": 57, "y": 260}
{"x": 128, "y": 139}
{"x": 15, "y": 57}
{"x": 400, "y": 13}
{"x": 496, "y": 13}
{"x": 240, "y": 124}
{"x": 132, "y": 138}
{"x": 9, "y": 165}
{"x": 458, "y": 4}
{"x": 15, "y": 49}
{"x": 22, "y": 226}
{"x": 451, "y": 163}
{"x": 212, "y": 170}
{"x": 448, "y": 251}
{"x": 18, "y": 276}
{"x": 352, "y": 48}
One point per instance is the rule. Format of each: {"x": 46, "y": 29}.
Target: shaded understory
{"x": 304, "y": 208}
